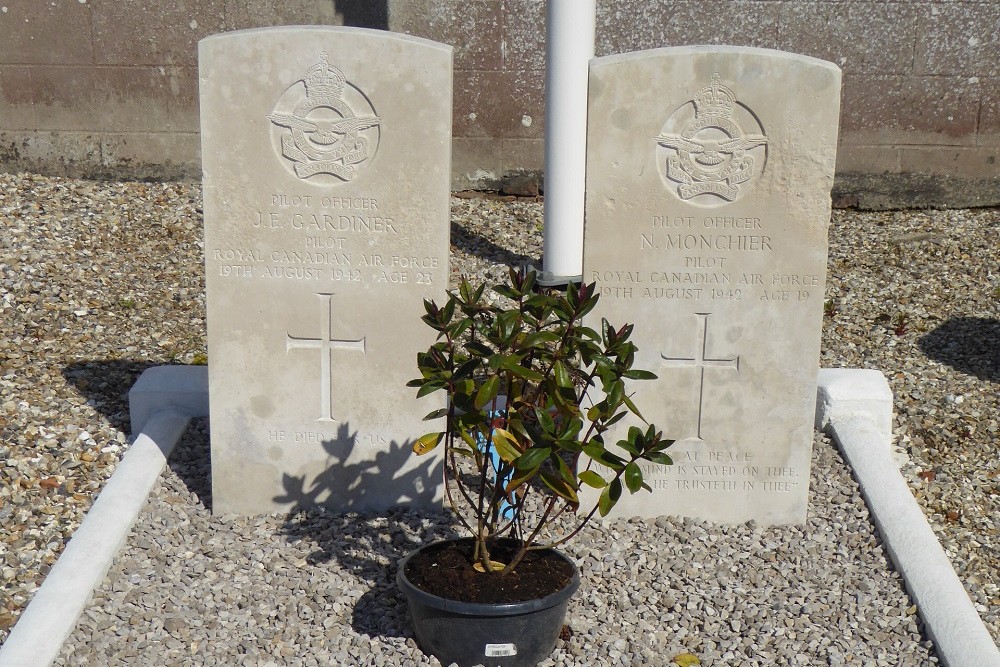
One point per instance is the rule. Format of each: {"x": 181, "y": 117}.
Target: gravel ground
{"x": 101, "y": 280}
{"x": 318, "y": 588}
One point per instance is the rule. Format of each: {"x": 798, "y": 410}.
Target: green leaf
{"x": 479, "y": 349}
{"x": 506, "y": 445}
{"x": 430, "y": 387}
{"x": 609, "y": 497}
{"x": 448, "y": 311}
{"x": 660, "y": 458}
{"x": 615, "y": 395}
{"x": 545, "y": 420}
{"x": 601, "y": 455}
{"x": 631, "y": 406}
{"x": 427, "y": 443}
{"x": 533, "y": 457}
{"x": 513, "y": 365}
{"x": 436, "y": 414}
{"x": 564, "y": 470}
{"x": 607, "y": 333}
{"x": 540, "y": 337}
{"x": 563, "y": 378}
{"x": 461, "y": 327}
{"x": 592, "y": 479}
{"x": 487, "y": 392}
{"x": 633, "y": 477}
{"x": 519, "y": 478}
{"x": 560, "y": 487}
{"x": 637, "y": 374}
{"x": 467, "y": 368}
{"x": 628, "y": 447}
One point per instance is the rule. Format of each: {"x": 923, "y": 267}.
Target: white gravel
{"x": 318, "y": 588}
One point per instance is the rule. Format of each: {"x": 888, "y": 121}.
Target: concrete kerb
{"x": 855, "y": 407}
{"x": 162, "y": 402}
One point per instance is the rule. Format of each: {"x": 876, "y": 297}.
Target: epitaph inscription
{"x": 708, "y": 232}
{"x": 326, "y": 155}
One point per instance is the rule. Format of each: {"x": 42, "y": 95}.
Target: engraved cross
{"x": 326, "y": 345}
{"x": 701, "y": 361}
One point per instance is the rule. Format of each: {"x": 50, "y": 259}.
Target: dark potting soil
{"x": 446, "y": 570}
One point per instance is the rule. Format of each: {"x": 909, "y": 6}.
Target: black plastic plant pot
{"x": 518, "y": 634}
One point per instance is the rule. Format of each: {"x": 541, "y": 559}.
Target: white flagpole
{"x": 569, "y": 49}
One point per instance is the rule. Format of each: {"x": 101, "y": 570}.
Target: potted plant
{"x": 532, "y": 393}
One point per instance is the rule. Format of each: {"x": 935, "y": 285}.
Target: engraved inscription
{"x": 326, "y": 344}
{"x": 713, "y": 470}
{"x": 704, "y": 153}
{"x": 712, "y": 276}
{"x": 324, "y": 126}
{"x": 701, "y": 361}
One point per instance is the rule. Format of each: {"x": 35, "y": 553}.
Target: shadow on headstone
{"x": 357, "y": 485}
{"x": 376, "y": 529}
{"x": 105, "y": 384}
{"x": 364, "y": 13}
{"x": 967, "y": 344}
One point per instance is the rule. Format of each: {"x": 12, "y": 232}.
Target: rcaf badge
{"x": 324, "y": 126}
{"x": 709, "y": 155}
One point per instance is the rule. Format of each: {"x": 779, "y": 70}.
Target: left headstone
{"x": 327, "y": 162}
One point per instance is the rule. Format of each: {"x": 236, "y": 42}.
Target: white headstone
{"x": 326, "y": 156}
{"x": 708, "y": 200}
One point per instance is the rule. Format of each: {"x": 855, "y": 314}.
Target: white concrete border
{"x": 855, "y": 407}
{"x": 38, "y": 636}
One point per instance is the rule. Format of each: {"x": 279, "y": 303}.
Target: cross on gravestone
{"x": 701, "y": 362}
{"x": 326, "y": 345}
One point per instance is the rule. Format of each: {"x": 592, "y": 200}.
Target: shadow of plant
{"x": 967, "y": 344}
{"x": 365, "y": 512}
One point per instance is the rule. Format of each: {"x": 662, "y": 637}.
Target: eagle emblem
{"x": 711, "y": 152}
{"x": 323, "y": 134}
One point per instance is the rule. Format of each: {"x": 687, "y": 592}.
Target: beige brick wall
{"x": 108, "y": 88}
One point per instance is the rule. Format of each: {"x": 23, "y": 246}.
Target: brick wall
{"x": 108, "y": 88}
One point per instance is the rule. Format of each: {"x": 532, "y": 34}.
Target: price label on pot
{"x": 499, "y": 650}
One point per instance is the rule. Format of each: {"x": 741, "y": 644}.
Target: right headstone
{"x": 708, "y": 200}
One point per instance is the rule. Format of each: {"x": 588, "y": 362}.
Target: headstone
{"x": 708, "y": 200}
{"x": 326, "y": 156}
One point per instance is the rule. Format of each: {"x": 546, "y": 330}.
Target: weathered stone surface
{"x": 327, "y": 166}
{"x": 708, "y": 201}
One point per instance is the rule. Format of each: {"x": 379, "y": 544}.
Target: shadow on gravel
{"x": 474, "y": 244}
{"x": 367, "y": 540}
{"x": 105, "y": 384}
{"x": 967, "y": 344}
{"x": 191, "y": 461}
{"x": 369, "y": 546}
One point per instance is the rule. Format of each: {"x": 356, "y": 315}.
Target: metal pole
{"x": 569, "y": 49}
